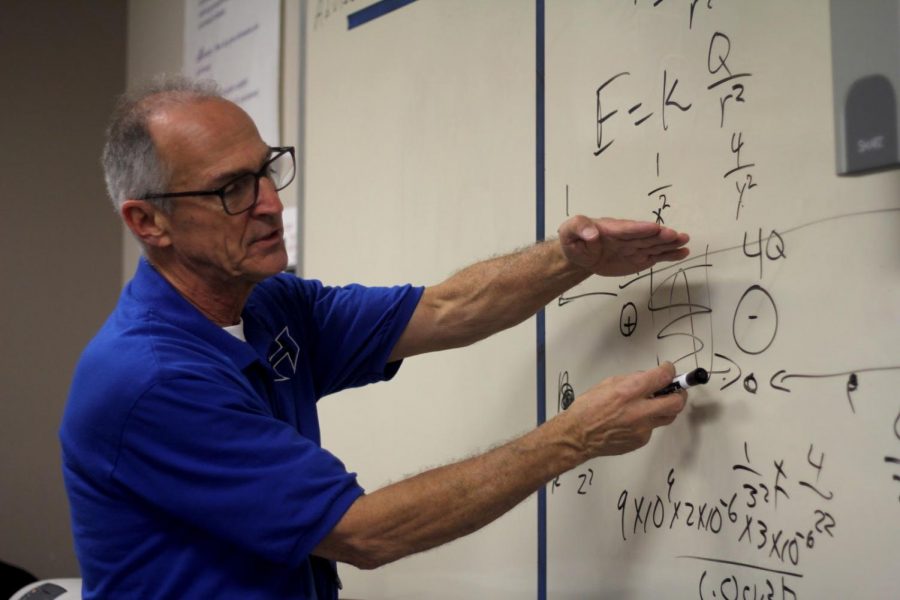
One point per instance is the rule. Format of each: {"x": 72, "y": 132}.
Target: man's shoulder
{"x": 130, "y": 355}
{"x": 137, "y": 342}
{"x": 287, "y": 290}
{"x": 282, "y": 289}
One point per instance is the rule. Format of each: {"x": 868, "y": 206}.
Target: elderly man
{"x": 190, "y": 440}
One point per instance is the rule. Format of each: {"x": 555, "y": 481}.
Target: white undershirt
{"x": 237, "y": 330}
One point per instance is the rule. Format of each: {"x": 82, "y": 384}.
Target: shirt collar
{"x": 154, "y": 294}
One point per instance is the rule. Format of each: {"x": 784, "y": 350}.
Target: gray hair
{"x": 131, "y": 165}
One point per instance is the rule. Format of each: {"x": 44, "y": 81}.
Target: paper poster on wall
{"x": 238, "y": 45}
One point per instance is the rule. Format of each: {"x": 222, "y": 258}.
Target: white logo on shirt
{"x": 284, "y": 356}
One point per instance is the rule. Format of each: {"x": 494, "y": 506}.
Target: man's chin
{"x": 272, "y": 263}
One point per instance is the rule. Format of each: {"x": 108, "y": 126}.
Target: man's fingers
{"x": 658, "y": 245}
{"x": 670, "y": 405}
{"x": 644, "y": 234}
{"x": 661, "y": 248}
{"x": 661, "y": 411}
{"x": 663, "y": 420}
{"x": 656, "y": 379}
{"x": 628, "y": 230}
{"x": 665, "y": 407}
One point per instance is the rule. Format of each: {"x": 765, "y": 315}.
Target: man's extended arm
{"x": 443, "y": 504}
{"x": 495, "y": 294}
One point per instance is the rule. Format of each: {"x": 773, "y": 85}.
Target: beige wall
{"x": 64, "y": 254}
{"x": 155, "y": 45}
{"x": 61, "y": 65}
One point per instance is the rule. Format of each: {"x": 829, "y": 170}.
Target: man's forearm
{"x": 488, "y": 297}
{"x": 442, "y": 504}
{"x": 505, "y": 291}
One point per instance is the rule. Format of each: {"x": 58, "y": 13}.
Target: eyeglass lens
{"x": 281, "y": 170}
{"x": 243, "y": 192}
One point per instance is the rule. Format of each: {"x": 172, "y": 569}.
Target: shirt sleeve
{"x": 206, "y": 452}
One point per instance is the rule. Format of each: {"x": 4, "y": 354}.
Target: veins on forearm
{"x": 504, "y": 291}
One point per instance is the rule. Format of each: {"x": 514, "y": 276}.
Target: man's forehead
{"x": 205, "y": 135}
{"x": 208, "y": 116}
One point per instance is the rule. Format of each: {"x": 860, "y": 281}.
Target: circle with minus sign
{"x": 755, "y": 321}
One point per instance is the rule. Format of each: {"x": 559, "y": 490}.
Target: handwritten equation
{"x": 727, "y": 87}
{"x": 670, "y": 135}
{"x": 749, "y": 515}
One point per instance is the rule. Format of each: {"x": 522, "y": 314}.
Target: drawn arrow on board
{"x": 781, "y": 376}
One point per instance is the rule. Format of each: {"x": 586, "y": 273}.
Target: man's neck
{"x": 221, "y": 301}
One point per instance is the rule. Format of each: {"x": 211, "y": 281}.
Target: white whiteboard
{"x": 779, "y": 475}
{"x": 420, "y": 158}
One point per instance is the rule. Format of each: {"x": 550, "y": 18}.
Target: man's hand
{"x": 618, "y": 415}
{"x": 615, "y": 247}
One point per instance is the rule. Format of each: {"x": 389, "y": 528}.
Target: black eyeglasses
{"x": 242, "y": 193}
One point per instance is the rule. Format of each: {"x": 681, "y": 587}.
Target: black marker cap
{"x": 697, "y": 376}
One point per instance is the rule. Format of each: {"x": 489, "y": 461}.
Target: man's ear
{"x": 148, "y": 223}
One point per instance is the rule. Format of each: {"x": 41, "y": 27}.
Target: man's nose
{"x": 268, "y": 202}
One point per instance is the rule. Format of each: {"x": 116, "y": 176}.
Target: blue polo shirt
{"x": 192, "y": 459}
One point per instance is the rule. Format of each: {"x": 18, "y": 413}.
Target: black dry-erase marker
{"x": 684, "y": 381}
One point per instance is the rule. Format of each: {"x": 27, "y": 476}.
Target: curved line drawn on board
{"x": 660, "y": 188}
{"x": 658, "y": 270}
{"x": 682, "y": 310}
{"x": 655, "y": 288}
{"x": 713, "y": 371}
{"x": 662, "y": 335}
{"x": 563, "y": 300}
{"x": 823, "y": 495}
{"x": 774, "y": 377}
